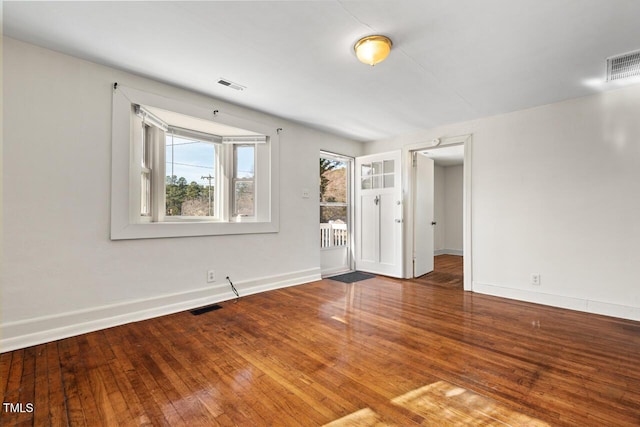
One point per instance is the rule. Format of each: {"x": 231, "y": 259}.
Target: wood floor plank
{"x": 381, "y": 351}
{"x": 255, "y": 396}
{"x": 144, "y": 380}
{"x": 27, "y": 385}
{"x": 5, "y": 367}
{"x": 14, "y": 382}
{"x": 143, "y": 408}
{"x": 74, "y": 391}
{"x": 109, "y": 402}
{"x": 41, "y": 391}
{"x": 57, "y": 409}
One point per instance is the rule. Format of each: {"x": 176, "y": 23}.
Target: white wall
{"x": 555, "y": 192}
{"x": 62, "y": 275}
{"x": 440, "y": 216}
{"x": 453, "y": 181}
{"x": 448, "y": 211}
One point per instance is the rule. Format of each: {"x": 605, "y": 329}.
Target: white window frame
{"x": 126, "y": 221}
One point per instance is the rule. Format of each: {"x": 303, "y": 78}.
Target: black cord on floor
{"x": 233, "y": 288}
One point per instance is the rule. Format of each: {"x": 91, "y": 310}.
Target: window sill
{"x": 202, "y": 220}
{"x": 157, "y": 230}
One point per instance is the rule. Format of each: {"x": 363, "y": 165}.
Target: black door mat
{"x": 354, "y": 276}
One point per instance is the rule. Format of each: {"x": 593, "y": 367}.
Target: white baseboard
{"x": 456, "y": 252}
{"x": 34, "y": 331}
{"x": 571, "y": 303}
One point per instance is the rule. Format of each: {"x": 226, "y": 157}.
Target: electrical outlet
{"x": 211, "y": 276}
{"x": 535, "y": 279}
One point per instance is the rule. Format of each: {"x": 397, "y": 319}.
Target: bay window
{"x": 197, "y": 172}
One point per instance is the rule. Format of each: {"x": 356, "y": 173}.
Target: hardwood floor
{"x": 376, "y": 352}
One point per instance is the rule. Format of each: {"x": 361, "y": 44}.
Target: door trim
{"x": 407, "y": 177}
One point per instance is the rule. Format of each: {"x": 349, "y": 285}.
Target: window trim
{"x": 125, "y": 197}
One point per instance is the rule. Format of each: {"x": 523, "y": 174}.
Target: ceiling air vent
{"x": 623, "y": 66}
{"x": 231, "y": 84}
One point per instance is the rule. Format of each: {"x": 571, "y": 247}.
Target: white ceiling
{"x": 452, "y": 60}
{"x": 450, "y": 155}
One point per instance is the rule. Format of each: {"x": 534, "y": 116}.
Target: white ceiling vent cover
{"x": 229, "y": 83}
{"x": 623, "y": 66}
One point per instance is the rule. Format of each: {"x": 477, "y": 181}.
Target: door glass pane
{"x": 377, "y": 182}
{"x": 333, "y": 226}
{"x": 333, "y": 181}
{"x": 388, "y": 181}
{"x": 333, "y": 214}
{"x": 365, "y": 169}
{"x": 334, "y": 190}
{"x": 377, "y": 168}
{"x": 366, "y": 183}
{"x": 388, "y": 166}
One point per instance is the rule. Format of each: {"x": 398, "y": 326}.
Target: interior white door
{"x": 423, "y": 215}
{"x": 379, "y": 214}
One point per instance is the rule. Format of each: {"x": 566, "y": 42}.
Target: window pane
{"x": 143, "y": 148}
{"x": 145, "y": 194}
{"x": 333, "y": 181}
{"x": 377, "y": 182}
{"x": 388, "y": 181}
{"x": 145, "y": 155}
{"x": 366, "y": 183}
{"x": 365, "y": 170}
{"x": 244, "y": 198}
{"x": 245, "y": 162}
{"x": 190, "y": 182}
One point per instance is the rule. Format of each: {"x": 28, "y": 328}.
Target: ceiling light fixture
{"x": 373, "y": 49}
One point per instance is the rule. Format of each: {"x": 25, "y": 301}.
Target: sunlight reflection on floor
{"x": 442, "y": 403}
{"x": 363, "y": 417}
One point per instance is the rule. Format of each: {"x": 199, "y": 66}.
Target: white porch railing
{"x": 332, "y": 234}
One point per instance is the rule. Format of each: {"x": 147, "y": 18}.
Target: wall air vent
{"x": 623, "y": 66}
{"x": 232, "y": 85}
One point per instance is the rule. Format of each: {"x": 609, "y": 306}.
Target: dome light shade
{"x": 373, "y": 49}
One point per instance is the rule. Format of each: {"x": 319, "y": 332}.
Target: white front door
{"x": 379, "y": 214}
{"x": 423, "y": 214}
